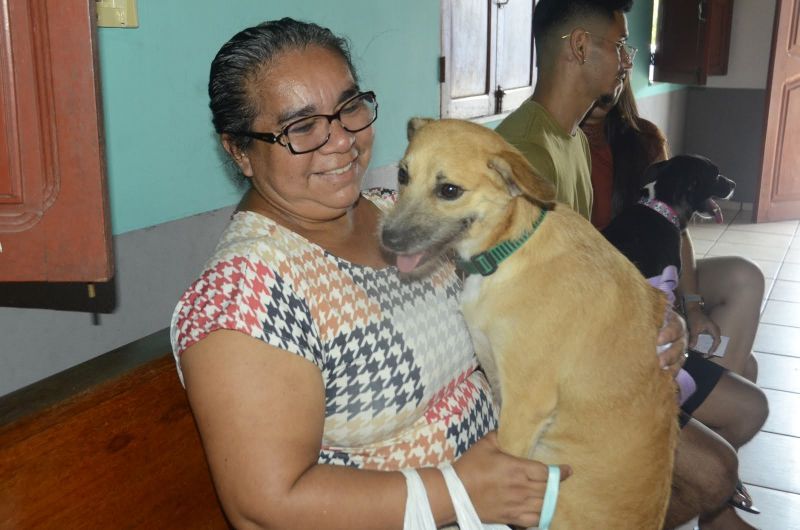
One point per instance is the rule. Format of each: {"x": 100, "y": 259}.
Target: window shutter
{"x": 516, "y": 74}
{"x": 468, "y": 37}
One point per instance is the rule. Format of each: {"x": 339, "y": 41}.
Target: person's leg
{"x": 733, "y": 288}
{"x": 704, "y": 478}
{"x": 736, "y": 409}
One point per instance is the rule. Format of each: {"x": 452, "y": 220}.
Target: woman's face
{"x": 316, "y": 186}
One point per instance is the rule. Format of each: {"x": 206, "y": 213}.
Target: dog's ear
{"x": 648, "y": 179}
{"x": 415, "y": 124}
{"x": 522, "y": 179}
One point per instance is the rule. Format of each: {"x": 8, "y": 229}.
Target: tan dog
{"x": 565, "y": 328}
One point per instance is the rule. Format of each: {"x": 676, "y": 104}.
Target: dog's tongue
{"x": 408, "y": 262}
{"x": 712, "y": 206}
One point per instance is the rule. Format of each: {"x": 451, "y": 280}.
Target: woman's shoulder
{"x": 648, "y": 127}
{"x": 383, "y": 198}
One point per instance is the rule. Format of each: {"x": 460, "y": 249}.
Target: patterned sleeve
{"x": 244, "y": 294}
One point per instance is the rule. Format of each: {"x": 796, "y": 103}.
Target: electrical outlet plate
{"x": 117, "y": 14}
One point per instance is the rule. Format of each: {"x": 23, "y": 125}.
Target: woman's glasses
{"x": 312, "y": 132}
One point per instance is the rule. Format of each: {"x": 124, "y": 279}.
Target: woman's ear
{"x": 237, "y": 155}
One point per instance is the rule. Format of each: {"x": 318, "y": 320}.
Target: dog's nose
{"x": 391, "y": 239}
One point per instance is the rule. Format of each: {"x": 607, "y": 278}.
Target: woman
{"x": 622, "y": 145}
{"x": 313, "y": 371}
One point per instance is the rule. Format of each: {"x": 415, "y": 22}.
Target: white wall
{"x": 751, "y": 45}
{"x": 668, "y": 111}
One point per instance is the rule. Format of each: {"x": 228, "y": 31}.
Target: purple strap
{"x": 667, "y": 282}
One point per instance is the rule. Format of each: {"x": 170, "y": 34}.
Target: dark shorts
{"x": 706, "y": 375}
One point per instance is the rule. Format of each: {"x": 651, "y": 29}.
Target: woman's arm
{"x": 260, "y": 411}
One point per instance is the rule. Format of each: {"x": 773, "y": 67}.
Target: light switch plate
{"x": 117, "y": 14}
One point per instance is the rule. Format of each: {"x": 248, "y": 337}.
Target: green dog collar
{"x": 487, "y": 261}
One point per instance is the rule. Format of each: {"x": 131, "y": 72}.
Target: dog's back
{"x": 565, "y": 327}
{"x": 579, "y": 379}
{"x": 646, "y": 238}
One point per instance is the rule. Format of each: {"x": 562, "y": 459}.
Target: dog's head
{"x": 689, "y": 184}
{"x": 455, "y": 176}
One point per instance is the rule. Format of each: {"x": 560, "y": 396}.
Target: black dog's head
{"x": 689, "y": 184}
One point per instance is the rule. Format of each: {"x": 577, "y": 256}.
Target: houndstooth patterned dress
{"x": 401, "y": 386}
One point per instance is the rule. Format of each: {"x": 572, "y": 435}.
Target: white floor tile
{"x": 701, "y": 247}
{"x": 768, "y": 267}
{"x": 786, "y": 228}
{"x": 778, "y": 372}
{"x": 747, "y": 251}
{"x": 783, "y": 413}
{"x": 781, "y": 340}
{"x": 756, "y": 238}
{"x": 781, "y": 313}
{"x": 793, "y": 256}
{"x": 709, "y": 232}
{"x": 785, "y": 291}
{"x": 790, "y": 272}
{"x": 773, "y": 461}
{"x": 779, "y": 510}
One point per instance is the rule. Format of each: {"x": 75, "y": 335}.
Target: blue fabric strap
{"x": 550, "y": 497}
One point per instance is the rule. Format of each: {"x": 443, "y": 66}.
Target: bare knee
{"x": 746, "y": 276}
{"x": 757, "y": 410}
{"x": 750, "y": 371}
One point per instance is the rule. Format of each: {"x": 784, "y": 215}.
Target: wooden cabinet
{"x": 692, "y": 40}
{"x": 53, "y": 203}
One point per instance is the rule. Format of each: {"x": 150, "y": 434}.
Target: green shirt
{"x": 562, "y": 159}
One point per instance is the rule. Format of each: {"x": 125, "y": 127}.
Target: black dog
{"x": 649, "y": 232}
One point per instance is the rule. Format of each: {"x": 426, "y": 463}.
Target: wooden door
{"x": 53, "y": 206}
{"x": 779, "y": 194}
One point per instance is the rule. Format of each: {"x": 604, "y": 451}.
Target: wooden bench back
{"x": 123, "y": 453}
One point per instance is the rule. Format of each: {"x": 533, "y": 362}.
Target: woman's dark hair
{"x": 243, "y": 58}
{"x": 635, "y": 144}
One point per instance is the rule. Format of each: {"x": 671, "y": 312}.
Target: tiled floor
{"x": 770, "y": 463}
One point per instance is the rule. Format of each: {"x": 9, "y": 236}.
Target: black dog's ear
{"x": 659, "y": 183}
{"x": 651, "y": 173}
{"x": 415, "y": 124}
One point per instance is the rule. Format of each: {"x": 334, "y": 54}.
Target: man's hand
{"x": 672, "y": 340}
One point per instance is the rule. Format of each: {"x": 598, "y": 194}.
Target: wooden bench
{"x": 108, "y": 444}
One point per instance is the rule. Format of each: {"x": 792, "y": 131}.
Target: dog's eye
{"x": 449, "y": 191}
{"x": 402, "y": 176}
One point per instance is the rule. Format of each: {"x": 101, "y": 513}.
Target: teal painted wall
{"x": 164, "y": 162}
{"x": 163, "y": 158}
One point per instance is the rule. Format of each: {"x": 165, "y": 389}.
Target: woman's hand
{"x": 503, "y": 488}
{"x": 672, "y": 342}
{"x": 698, "y": 322}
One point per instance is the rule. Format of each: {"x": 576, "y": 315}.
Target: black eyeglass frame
{"x": 272, "y": 138}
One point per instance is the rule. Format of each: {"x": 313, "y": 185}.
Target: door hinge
{"x": 441, "y": 69}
